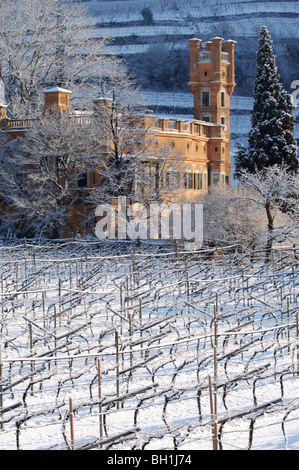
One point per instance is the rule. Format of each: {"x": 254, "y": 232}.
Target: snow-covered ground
{"x": 163, "y": 326}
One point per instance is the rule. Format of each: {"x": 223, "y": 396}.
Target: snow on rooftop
{"x": 55, "y": 89}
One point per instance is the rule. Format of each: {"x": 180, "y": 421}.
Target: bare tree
{"x": 46, "y": 43}
{"x": 231, "y": 219}
{"x": 131, "y": 160}
{"x": 41, "y": 173}
{"x": 70, "y": 162}
{"x": 276, "y": 191}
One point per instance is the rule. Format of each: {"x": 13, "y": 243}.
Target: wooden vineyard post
{"x": 44, "y": 309}
{"x": 17, "y": 277}
{"x": 72, "y": 424}
{"x": 117, "y": 367}
{"x": 188, "y": 300}
{"x": 55, "y": 326}
{"x": 140, "y": 318}
{"x": 187, "y": 287}
{"x": 134, "y": 265}
{"x": 247, "y": 290}
{"x": 59, "y": 293}
{"x": 121, "y": 298}
{"x": 130, "y": 332}
{"x": 213, "y": 418}
{"x": 100, "y": 397}
{"x": 2, "y": 290}
{"x": 25, "y": 267}
{"x": 297, "y": 341}
{"x": 31, "y": 350}
{"x": 215, "y": 424}
{"x": 34, "y": 258}
{"x": 77, "y": 277}
{"x": 288, "y": 323}
{"x": 121, "y": 306}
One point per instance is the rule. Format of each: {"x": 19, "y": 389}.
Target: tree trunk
{"x": 270, "y": 231}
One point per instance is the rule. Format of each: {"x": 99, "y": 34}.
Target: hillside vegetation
{"x": 153, "y": 36}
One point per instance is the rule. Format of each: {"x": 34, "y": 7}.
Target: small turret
{"x": 57, "y": 99}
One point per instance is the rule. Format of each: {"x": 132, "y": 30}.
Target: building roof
{"x": 55, "y": 89}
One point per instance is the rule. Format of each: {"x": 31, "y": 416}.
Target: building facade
{"x": 202, "y": 143}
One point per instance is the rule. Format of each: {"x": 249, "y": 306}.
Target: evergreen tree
{"x": 271, "y": 138}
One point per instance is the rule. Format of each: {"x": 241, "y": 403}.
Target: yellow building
{"x": 203, "y": 143}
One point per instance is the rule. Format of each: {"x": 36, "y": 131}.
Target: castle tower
{"x": 57, "y": 99}
{"x": 212, "y": 81}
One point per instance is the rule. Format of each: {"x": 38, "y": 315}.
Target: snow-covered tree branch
{"x": 46, "y": 43}
{"x": 131, "y": 160}
{"x": 276, "y": 191}
{"x": 40, "y": 173}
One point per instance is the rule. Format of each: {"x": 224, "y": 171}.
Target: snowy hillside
{"x": 241, "y": 18}
{"x": 172, "y": 23}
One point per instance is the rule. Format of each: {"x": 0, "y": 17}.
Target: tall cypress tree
{"x": 271, "y": 138}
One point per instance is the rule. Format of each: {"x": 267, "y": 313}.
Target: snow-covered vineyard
{"x": 152, "y": 348}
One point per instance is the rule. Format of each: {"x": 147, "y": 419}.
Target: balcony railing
{"x": 207, "y": 56}
{"x": 20, "y": 123}
{"x": 225, "y": 56}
